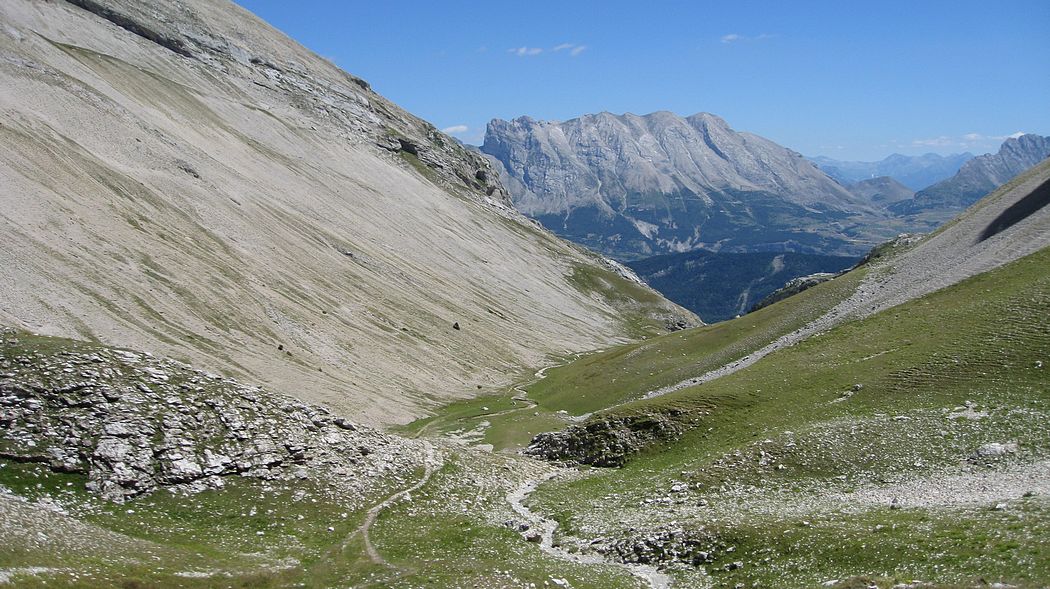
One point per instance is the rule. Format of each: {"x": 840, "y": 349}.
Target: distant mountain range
{"x": 665, "y": 192}
{"x": 718, "y": 286}
{"x": 633, "y": 186}
{"x": 914, "y": 171}
{"x": 976, "y": 178}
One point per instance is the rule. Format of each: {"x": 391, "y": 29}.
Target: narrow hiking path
{"x": 650, "y": 575}
{"x": 521, "y": 396}
{"x": 431, "y": 462}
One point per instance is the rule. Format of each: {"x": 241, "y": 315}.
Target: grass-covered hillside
{"x": 908, "y": 445}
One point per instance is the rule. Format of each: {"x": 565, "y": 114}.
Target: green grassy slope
{"x": 623, "y": 373}
{"x": 787, "y": 477}
{"x": 787, "y": 455}
{"x": 626, "y": 372}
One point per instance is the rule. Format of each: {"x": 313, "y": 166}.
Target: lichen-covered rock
{"x": 606, "y": 441}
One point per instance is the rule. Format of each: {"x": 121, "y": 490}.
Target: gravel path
{"x": 650, "y": 575}
{"x": 430, "y": 463}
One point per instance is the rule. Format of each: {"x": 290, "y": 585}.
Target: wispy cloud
{"x": 738, "y": 38}
{"x": 455, "y": 129}
{"x": 525, "y": 51}
{"x": 570, "y": 49}
{"x": 969, "y": 140}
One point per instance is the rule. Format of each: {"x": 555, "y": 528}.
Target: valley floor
{"x": 841, "y": 437}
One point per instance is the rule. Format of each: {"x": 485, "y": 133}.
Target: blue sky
{"x": 850, "y": 80}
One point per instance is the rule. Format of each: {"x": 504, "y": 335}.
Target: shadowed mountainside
{"x": 719, "y": 286}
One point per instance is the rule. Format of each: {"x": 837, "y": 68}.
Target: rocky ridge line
{"x": 346, "y": 101}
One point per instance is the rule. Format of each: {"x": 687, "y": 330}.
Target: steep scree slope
{"x": 181, "y": 178}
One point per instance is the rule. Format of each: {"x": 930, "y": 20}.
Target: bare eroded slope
{"x": 181, "y": 178}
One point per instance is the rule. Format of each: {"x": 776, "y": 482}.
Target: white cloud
{"x": 967, "y": 140}
{"x": 455, "y": 129}
{"x": 936, "y": 142}
{"x": 571, "y": 49}
{"x": 737, "y": 38}
{"x": 524, "y": 51}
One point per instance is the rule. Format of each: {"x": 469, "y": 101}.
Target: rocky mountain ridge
{"x": 900, "y": 271}
{"x": 633, "y": 186}
{"x": 882, "y": 191}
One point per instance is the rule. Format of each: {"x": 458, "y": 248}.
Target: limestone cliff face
{"x": 181, "y": 178}
{"x": 636, "y": 185}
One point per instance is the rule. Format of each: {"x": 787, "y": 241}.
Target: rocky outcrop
{"x": 793, "y": 287}
{"x": 607, "y": 441}
{"x": 977, "y": 177}
{"x": 633, "y": 186}
{"x": 133, "y": 423}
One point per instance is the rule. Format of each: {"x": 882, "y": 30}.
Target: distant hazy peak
{"x": 914, "y": 171}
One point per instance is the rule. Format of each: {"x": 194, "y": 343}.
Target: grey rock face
{"x": 344, "y": 100}
{"x": 978, "y": 177}
{"x": 92, "y": 412}
{"x": 605, "y": 442}
{"x": 632, "y": 186}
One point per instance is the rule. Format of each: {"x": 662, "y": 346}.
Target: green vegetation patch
{"x": 796, "y": 462}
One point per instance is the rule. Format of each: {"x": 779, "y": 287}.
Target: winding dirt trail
{"x": 516, "y": 498}
{"x": 650, "y": 575}
{"x": 430, "y": 463}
